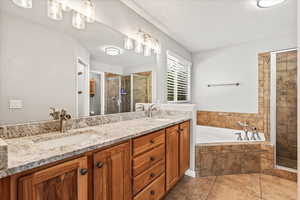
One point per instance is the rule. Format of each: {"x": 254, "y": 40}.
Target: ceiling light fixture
{"x": 268, "y": 3}
{"x": 55, "y": 10}
{"x": 23, "y": 3}
{"x": 112, "y": 51}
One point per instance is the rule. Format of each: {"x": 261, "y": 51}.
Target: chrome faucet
{"x": 151, "y": 108}
{"x": 244, "y": 125}
{"x": 255, "y": 133}
{"x": 63, "y": 120}
{"x": 239, "y": 136}
{"x": 55, "y": 114}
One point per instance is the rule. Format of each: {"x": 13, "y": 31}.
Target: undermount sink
{"x": 66, "y": 139}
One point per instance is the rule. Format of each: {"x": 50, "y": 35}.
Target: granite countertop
{"x": 34, "y": 151}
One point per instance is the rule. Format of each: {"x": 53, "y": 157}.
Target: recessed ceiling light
{"x": 268, "y": 3}
{"x": 112, "y": 51}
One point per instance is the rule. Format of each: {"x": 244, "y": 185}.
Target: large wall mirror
{"x": 47, "y": 63}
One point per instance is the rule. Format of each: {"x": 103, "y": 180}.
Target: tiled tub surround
{"x": 238, "y": 158}
{"x": 38, "y": 149}
{"x": 233, "y": 158}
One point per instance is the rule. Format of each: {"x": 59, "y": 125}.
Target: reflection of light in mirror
{"x": 78, "y": 20}
{"x": 64, "y": 5}
{"x": 88, "y": 10}
{"x": 138, "y": 47}
{"x": 112, "y": 51}
{"x": 128, "y": 43}
{"x": 147, "y": 51}
{"x": 23, "y": 3}
{"x": 268, "y": 3}
{"x": 55, "y": 10}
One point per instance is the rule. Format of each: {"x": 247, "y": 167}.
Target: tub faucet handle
{"x": 239, "y": 136}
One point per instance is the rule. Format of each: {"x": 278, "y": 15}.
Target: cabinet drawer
{"x": 142, "y": 180}
{"x": 148, "y": 142}
{"x": 154, "y": 191}
{"x": 148, "y": 159}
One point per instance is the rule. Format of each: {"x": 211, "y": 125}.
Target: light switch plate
{"x": 15, "y": 104}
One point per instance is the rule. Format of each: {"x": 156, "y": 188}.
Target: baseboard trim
{"x": 190, "y": 173}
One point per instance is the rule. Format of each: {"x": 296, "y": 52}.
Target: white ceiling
{"x": 208, "y": 24}
{"x": 93, "y": 38}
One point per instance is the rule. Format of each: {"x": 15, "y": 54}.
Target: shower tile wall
{"x": 126, "y": 100}
{"x": 142, "y": 88}
{"x": 286, "y": 113}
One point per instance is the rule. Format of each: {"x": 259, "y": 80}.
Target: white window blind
{"x": 178, "y": 79}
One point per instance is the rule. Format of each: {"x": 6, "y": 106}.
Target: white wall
{"x": 232, "y": 64}
{"x": 43, "y": 55}
{"x": 102, "y": 67}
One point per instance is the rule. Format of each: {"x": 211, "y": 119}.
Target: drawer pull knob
{"x": 152, "y": 158}
{"x": 99, "y": 164}
{"x": 152, "y": 192}
{"x": 83, "y": 171}
{"x": 181, "y": 129}
{"x": 152, "y": 141}
{"x": 152, "y": 175}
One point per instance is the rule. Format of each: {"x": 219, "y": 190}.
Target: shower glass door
{"x": 284, "y": 85}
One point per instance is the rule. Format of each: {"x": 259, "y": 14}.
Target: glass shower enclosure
{"x": 284, "y": 107}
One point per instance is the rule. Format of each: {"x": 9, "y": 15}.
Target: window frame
{"x": 186, "y": 64}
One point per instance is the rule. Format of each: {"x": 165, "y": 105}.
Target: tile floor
{"x": 234, "y": 187}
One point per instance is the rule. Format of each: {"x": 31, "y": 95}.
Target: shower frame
{"x": 273, "y": 104}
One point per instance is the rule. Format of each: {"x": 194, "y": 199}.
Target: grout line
{"x": 211, "y": 188}
{"x": 260, "y": 187}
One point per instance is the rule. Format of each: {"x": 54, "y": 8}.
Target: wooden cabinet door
{"x": 112, "y": 173}
{"x": 184, "y": 147}
{"x": 66, "y": 181}
{"x": 172, "y": 156}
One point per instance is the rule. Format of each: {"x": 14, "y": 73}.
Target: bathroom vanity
{"x": 143, "y": 162}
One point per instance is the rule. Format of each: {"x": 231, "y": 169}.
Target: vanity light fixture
{"x": 65, "y": 5}
{"x": 78, "y": 20}
{"x": 23, "y": 3}
{"x": 268, "y": 3}
{"x": 128, "y": 43}
{"x": 144, "y": 43}
{"x": 88, "y": 9}
{"x": 55, "y": 10}
{"x": 139, "y": 48}
{"x": 112, "y": 51}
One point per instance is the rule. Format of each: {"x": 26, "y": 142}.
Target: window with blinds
{"x": 178, "y": 79}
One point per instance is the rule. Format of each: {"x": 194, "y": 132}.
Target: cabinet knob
{"x": 152, "y": 158}
{"x": 83, "y": 171}
{"x": 152, "y": 141}
{"x": 99, "y": 164}
{"x": 152, "y": 192}
{"x": 152, "y": 175}
{"x": 181, "y": 129}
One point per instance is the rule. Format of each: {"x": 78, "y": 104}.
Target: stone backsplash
{"x": 37, "y": 128}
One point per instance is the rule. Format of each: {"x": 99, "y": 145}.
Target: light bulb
{"x": 64, "y": 5}
{"x": 138, "y": 47}
{"x": 157, "y": 47}
{"x": 128, "y": 43}
{"x": 78, "y": 20}
{"x": 23, "y": 3}
{"x": 268, "y": 3}
{"x": 88, "y": 9}
{"x": 147, "y": 51}
{"x": 55, "y": 10}
{"x": 140, "y": 37}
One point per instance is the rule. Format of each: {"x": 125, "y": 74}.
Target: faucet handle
{"x": 239, "y": 134}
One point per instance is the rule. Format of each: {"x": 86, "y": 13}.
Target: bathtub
{"x": 206, "y": 134}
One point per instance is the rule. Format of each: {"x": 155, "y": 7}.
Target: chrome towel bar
{"x": 224, "y": 84}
